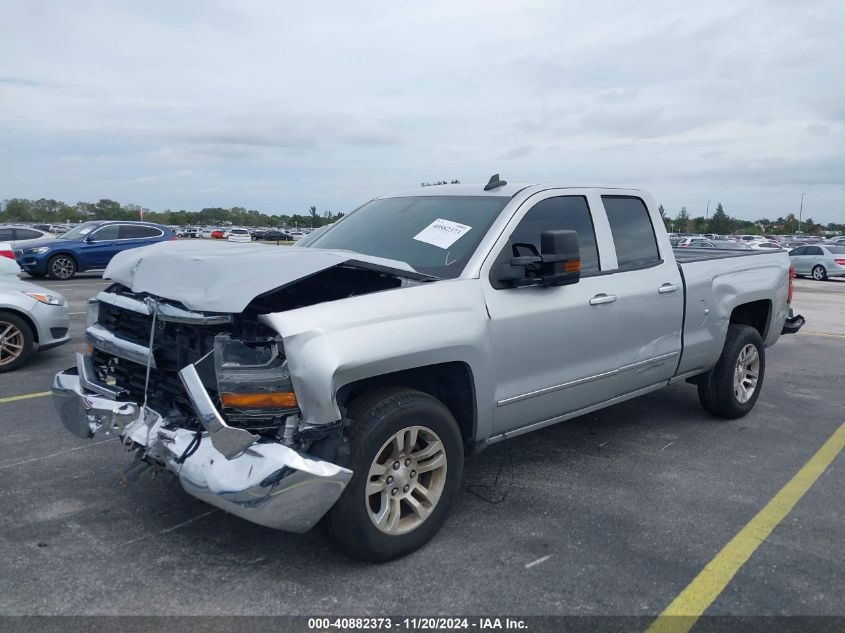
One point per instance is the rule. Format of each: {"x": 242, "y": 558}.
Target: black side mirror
{"x": 557, "y": 264}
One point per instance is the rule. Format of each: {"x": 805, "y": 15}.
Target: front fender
{"x": 334, "y": 344}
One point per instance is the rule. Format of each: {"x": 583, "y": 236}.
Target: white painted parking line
{"x": 171, "y": 529}
{"x": 70, "y": 450}
{"x": 538, "y": 561}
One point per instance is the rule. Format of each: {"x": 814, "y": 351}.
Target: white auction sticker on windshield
{"x": 442, "y": 233}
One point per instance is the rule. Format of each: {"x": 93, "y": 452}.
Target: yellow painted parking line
{"x": 821, "y": 334}
{"x": 683, "y": 612}
{"x": 26, "y": 396}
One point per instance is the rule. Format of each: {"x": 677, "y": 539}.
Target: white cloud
{"x": 278, "y": 106}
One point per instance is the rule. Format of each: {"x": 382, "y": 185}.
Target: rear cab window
{"x": 633, "y": 232}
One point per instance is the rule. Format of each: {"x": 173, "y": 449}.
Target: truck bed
{"x": 717, "y": 280}
{"x": 688, "y": 255}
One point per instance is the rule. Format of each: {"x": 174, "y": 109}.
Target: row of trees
{"x": 51, "y": 211}
{"x": 723, "y": 224}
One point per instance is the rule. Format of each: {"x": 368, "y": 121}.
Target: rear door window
{"x": 633, "y": 233}
{"x": 814, "y": 250}
{"x": 138, "y": 232}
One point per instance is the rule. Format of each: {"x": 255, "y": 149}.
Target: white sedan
{"x": 31, "y": 317}
{"x": 764, "y": 246}
{"x": 239, "y": 235}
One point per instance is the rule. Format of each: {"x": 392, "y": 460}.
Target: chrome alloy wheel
{"x": 62, "y": 268}
{"x": 406, "y": 480}
{"x": 819, "y": 273}
{"x": 746, "y": 373}
{"x": 11, "y": 343}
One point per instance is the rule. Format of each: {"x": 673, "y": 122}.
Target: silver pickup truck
{"x": 346, "y": 379}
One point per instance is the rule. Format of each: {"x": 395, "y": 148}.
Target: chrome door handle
{"x": 602, "y": 298}
{"x": 666, "y": 288}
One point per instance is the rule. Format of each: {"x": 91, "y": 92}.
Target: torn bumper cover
{"x": 263, "y": 482}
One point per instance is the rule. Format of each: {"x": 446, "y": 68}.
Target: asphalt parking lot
{"x": 613, "y": 513}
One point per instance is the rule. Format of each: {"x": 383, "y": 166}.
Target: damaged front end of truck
{"x": 200, "y": 385}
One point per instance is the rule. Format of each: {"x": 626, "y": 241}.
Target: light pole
{"x": 800, "y": 212}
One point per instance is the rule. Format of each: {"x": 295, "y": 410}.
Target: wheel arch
{"x": 757, "y": 314}
{"x": 26, "y": 318}
{"x": 450, "y": 382}
{"x": 71, "y": 254}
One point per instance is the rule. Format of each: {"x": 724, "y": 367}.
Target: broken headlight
{"x": 253, "y": 380}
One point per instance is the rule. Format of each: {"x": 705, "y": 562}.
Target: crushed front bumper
{"x": 266, "y": 482}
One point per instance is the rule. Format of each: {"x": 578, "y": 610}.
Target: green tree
{"x": 682, "y": 221}
{"x": 790, "y": 223}
{"x": 720, "y": 222}
{"x": 698, "y": 225}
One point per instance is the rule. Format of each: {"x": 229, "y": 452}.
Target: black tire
{"x": 61, "y": 267}
{"x": 379, "y": 415}
{"x": 717, "y": 395}
{"x": 819, "y": 273}
{"x": 12, "y": 323}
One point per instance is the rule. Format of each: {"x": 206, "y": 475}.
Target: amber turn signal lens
{"x": 572, "y": 267}
{"x": 275, "y": 400}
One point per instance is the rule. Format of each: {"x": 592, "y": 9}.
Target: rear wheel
{"x": 735, "y": 381}
{"x": 406, "y": 455}
{"x": 819, "y": 273}
{"x": 16, "y": 341}
{"x": 61, "y": 267}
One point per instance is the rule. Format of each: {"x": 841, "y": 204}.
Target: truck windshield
{"x": 435, "y": 235}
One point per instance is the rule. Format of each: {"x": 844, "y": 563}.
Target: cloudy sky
{"x": 280, "y": 105}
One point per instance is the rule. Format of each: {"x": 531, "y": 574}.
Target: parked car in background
{"x": 792, "y": 243}
{"x": 239, "y": 235}
{"x": 90, "y": 246}
{"x": 695, "y": 242}
{"x": 219, "y": 234}
{"x": 191, "y": 232}
{"x": 750, "y": 238}
{"x": 766, "y": 246}
{"x": 278, "y": 235}
{"x": 731, "y": 245}
{"x": 22, "y": 235}
{"x": 818, "y": 261}
{"x": 31, "y": 317}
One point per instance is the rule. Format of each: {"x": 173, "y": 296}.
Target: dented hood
{"x": 215, "y": 276}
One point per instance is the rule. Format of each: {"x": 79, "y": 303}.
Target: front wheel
{"x": 735, "y": 382}
{"x": 406, "y": 455}
{"x": 16, "y": 341}
{"x": 61, "y": 267}
{"x": 819, "y": 273}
